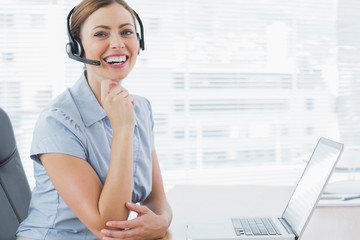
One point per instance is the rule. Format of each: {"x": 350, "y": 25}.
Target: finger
{"x": 118, "y": 90}
{"x": 121, "y": 234}
{"x": 106, "y": 86}
{"x": 137, "y": 208}
{"x": 129, "y": 224}
{"x": 132, "y": 100}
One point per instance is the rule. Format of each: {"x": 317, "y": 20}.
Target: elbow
{"x": 96, "y": 224}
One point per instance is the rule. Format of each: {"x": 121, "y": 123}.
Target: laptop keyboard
{"x": 254, "y": 226}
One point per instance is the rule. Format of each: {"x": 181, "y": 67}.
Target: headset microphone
{"x": 75, "y": 49}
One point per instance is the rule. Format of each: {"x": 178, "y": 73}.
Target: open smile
{"x": 116, "y": 60}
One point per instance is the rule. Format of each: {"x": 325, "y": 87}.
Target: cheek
{"x": 94, "y": 49}
{"x": 134, "y": 46}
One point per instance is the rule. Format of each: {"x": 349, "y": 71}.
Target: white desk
{"x": 190, "y": 203}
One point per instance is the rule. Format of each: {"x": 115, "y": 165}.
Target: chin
{"x": 117, "y": 76}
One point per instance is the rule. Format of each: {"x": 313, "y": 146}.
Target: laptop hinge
{"x": 288, "y": 227}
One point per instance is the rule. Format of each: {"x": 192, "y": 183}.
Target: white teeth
{"x": 116, "y": 59}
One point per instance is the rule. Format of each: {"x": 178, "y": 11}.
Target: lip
{"x": 116, "y": 55}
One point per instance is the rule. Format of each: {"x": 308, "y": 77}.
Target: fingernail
{"x": 109, "y": 224}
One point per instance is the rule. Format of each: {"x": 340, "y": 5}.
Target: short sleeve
{"x": 57, "y": 132}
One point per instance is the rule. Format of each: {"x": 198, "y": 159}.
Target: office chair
{"x": 15, "y": 191}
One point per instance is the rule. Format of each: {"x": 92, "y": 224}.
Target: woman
{"x": 93, "y": 145}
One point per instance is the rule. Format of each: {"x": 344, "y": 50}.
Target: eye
{"x": 100, "y": 34}
{"x": 127, "y": 32}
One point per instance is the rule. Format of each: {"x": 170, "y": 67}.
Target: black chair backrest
{"x": 15, "y": 191}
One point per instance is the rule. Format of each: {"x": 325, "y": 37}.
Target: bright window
{"x": 241, "y": 90}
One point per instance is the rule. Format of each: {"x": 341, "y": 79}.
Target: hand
{"x": 147, "y": 225}
{"x": 118, "y": 104}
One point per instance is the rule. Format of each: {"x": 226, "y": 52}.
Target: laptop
{"x": 296, "y": 214}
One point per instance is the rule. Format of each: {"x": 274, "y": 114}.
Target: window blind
{"x": 241, "y": 90}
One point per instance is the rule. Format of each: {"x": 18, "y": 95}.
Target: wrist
{"x": 123, "y": 130}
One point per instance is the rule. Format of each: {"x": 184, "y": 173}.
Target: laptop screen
{"x": 312, "y": 183}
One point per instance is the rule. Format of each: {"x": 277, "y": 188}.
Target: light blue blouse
{"x": 75, "y": 124}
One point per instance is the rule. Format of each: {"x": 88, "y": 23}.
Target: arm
{"x": 157, "y": 201}
{"x": 79, "y": 185}
{"x": 154, "y": 216}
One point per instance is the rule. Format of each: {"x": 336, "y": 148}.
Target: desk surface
{"x": 193, "y": 203}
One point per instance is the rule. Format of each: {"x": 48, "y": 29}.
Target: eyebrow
{"x": 107, "y": 27}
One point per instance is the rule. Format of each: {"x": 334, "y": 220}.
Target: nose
{"x": 116, "y": 42}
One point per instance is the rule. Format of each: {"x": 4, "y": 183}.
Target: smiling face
{"x": 109, "y": 36}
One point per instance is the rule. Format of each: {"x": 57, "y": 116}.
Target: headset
{"x": 75, "y": 49}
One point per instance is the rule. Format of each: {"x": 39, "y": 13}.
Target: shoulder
{"x": 59, "y": 129}
{"x": 64, "y": 106}
{"x": 59, "y": 116}
{"x": 143, "y": 111}
{"x": 142, "y": 103}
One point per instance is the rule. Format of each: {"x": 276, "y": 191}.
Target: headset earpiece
{"x": 78, "y": 48}
{"x": 139, "y": 42}
{"x": 141, "y": 35}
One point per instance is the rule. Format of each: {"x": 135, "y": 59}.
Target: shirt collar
{"x": 86, "y": 102}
